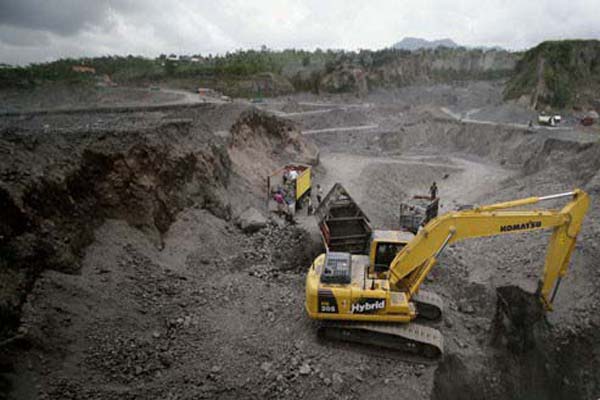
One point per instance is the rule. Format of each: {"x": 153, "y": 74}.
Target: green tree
{"x": 306, "y": 60}
{"x": 170, "y": 67}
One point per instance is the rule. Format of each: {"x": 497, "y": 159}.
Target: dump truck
{"x": 344, "y": 226}
{"x": 549, "y": 120}
{"x": 293, "y": 182}
{"x": 417, "y": 212}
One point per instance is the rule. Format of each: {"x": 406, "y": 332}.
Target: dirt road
{"x": 381, "y": 183}
{"x": 106, "y": 100}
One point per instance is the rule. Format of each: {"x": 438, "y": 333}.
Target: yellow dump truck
{"x": 291, "y": 183}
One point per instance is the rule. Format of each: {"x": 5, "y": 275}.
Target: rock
{"x": 166, "y": 359}
{"x": 266, "y": 366}
{"x": 215, "y": 369}
{"x": 337, "y": 378}
{"x": 251, "y": 220}
{"x": 277, "y": 222}
{"x": 466, "y": 308}
{"x": 304, "y": 369}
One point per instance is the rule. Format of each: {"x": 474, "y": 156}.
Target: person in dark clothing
{"x": 309, "y": 206}
{"x": 433, "y": 191}
{"x": 319, "y": 194}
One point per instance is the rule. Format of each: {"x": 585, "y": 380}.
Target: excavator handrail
{"x": 412, "y": 264}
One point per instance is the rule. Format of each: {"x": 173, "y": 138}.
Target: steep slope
{"x": 57, "y": 185}
{"x": 559, "y": 74}
{"x": 391, "y": 67}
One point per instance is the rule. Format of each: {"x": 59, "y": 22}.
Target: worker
{"x": 289, "y": 215}
{"x": 319, "y": 194}
{"x": 278, "y": 197}
{"x": 286, "y": 176}
{"x": 433, "y": 191}
{"x": 309, "y": 206}
{"x": 289, "y": 192}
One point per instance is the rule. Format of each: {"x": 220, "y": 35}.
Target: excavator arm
{"x": 413, "y": 263}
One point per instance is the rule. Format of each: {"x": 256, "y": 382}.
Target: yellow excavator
{"x": 360, "y": 303}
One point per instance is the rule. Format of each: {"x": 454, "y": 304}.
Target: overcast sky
{"x": 44, "y": 30}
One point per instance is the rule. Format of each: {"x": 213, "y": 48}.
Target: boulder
{"x": 251, "y": 220}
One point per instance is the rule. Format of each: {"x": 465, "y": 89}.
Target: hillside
{"x": 270, "y": 73}
{"x": 396, "y": 68}
{"x": 412, "y": 43}
{"x": 559, "y": 74}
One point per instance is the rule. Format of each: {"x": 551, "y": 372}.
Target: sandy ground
{"x": 216, "y": 313}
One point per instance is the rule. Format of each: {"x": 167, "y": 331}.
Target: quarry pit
{"x": 125, "y": 273}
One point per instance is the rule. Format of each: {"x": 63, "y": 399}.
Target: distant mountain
{"x": 412, "y": 43}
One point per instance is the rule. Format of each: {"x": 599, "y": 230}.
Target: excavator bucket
{"x": 519, "y": 317}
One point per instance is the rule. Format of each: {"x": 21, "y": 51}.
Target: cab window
{"x": 385, "y": 254}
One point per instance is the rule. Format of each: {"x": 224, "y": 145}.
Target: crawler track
{"x": 430, "y": 306}
{"x": 413, "y": 339}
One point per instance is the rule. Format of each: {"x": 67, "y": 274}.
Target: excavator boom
{"x": 411, "y": 265}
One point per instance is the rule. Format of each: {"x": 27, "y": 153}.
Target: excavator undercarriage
{"x": 414, "y": 339}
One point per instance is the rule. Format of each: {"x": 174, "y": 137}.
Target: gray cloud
{"x": 63, "y": 17}
{"x": 42, "y": 30}
{"x": 21, "y": 37}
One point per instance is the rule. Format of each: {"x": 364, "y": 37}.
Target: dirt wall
{"x": 564, "y": 159}
{"x": 551, "y": 357}
{"x": 260, "y": 144}
{"x": 537, "y": 356}
{"x": 57, "y": 185}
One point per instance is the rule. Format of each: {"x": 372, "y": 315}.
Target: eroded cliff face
{"x": 259, "y": 144}
{"x": 57, "y": 186}
{"x": 401, "y": 68}
{"x": 558, "y": 74}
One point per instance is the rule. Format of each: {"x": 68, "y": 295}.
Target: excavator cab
{"x": 383, "y": 247}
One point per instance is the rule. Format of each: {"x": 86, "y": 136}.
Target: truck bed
{"x": 344, "y": 226}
